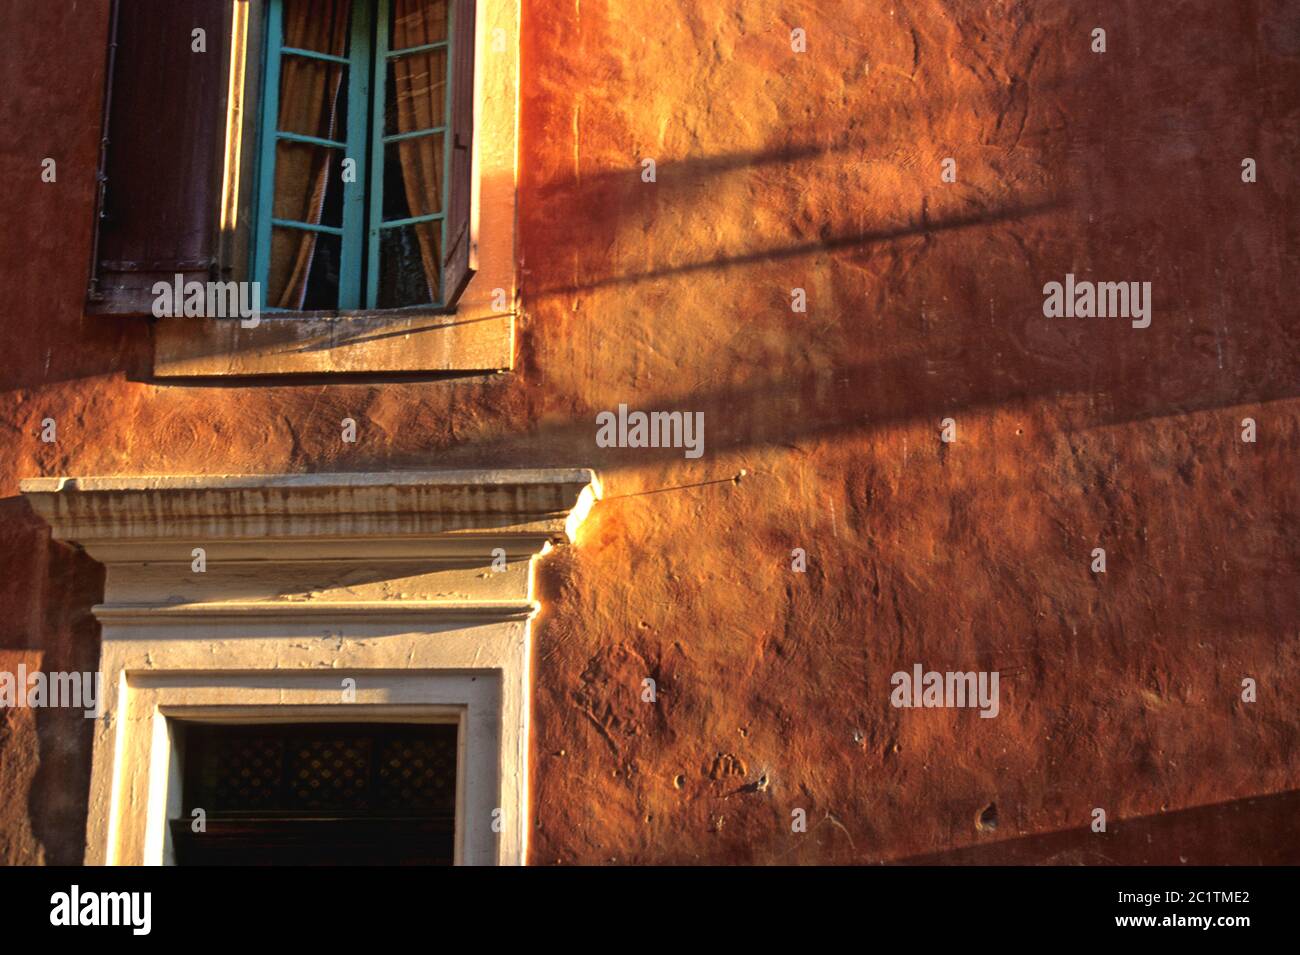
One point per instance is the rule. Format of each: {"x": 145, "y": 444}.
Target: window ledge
{"x": 470, "y": 340}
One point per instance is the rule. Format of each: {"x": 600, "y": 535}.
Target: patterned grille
{"x": 418, "y": 773}
{"x": 330, "y": 773}
{"x": 246, "y": 774}
{"x": 307, "y": 769}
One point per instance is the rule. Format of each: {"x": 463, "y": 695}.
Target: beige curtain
{"x": 309, "y": 101}
{"x": 419, "y": 92}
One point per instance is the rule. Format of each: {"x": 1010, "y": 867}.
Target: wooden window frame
{"x": 358, "y": 67}
{"x": 363, "y": 223}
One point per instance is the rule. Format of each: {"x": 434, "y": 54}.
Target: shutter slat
{"x": 457, "y": 265}
{"x": 157, "y": 213}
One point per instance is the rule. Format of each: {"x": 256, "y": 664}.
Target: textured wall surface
{"x": 821, "y": 171}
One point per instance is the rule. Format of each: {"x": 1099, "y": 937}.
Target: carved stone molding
{"x": 255, "y": 597}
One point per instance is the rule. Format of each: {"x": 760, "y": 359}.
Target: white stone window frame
{"x": 310, "y": 579}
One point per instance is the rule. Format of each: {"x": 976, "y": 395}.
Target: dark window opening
{"x": 317, "y": 794}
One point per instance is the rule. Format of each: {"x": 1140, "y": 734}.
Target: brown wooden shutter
{"x": 457, "y": 264}
{"x": 161, "y": 166}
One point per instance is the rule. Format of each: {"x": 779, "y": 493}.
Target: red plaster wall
{"x": 821, "y": 171}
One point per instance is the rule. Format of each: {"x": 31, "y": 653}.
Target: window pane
{"x": 320, "y": 25}
{"x": 409, "y": 264}
{"x": 309, "y": 184}
{"x": 304, "y": 271}
{"x": 415, "y": 92}
{"x": 416, "y": 22}
{"x": 313, "y": 98}
{"x": 413, "y": 174}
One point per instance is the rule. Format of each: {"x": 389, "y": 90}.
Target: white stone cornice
{"x": 382, "y": 514}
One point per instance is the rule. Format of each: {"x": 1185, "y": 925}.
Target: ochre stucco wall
{"x": 819, "y": 171}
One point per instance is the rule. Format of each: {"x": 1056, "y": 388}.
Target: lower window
{"x": 316, "y": 794}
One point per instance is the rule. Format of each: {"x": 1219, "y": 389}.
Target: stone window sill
{"x": 468, "y": 340}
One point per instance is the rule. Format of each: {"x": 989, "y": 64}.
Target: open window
{"x": 329, "y": 154}
{"x": 367, "y": 121}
